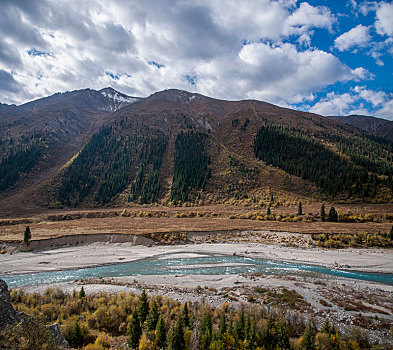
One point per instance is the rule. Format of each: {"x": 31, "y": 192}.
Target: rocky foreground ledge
{"x": 10, "y": 320}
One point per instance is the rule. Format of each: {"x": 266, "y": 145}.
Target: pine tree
{"x": 323, "y": 212}
{"x": 300, "y": 209}
{"x": 143, "y": 307}
{"x": 205, "y": 330}
{"x": 185, "y": 318}
{"x": 27, "y": 236}
{"x": 269, "y": 211}
{"x": 282, "y": 337}
{"x": 268, "y": 335}
{"x": 251, "y": 336}
{"x": 76, "y": 337}
{"x": 308, "y": 341}
{"x": 152, "y": 317}
{"x": 160, "y": 339}
{"x": 134, "y": 331}
{"x": 240, "y": 327}
{"x": 82, "y": 293}
{"x": 177, "y": 338}
{"x": 223, "y": 326}
{"x": 326, "y": 327}
{"x": 333, "y": 217}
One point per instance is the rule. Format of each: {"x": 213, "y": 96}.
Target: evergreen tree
{"x": 251, "y": 336}
{"x": 269, "y": 211}
{"x": 282, "y": 337}
{"x": 27, "y": 236}
{"x": 391, "y": 234}
{"x": 300, "y": 209}
{"x": 76, "y": 337}
{"x": 152, "y": 317}
{"x": 185, "y": 318}
{"x": 332, "y": 332}
{"x": 177, "y": 339}
{"x": 308, "y": 341}
{"x": 206, "y": 330}
{"x": 134, "y": 331}
{"x": 326, "y": 328}
{"x": 190, "y": 166}
{"x": 323, "y": 212}
{"x": 268, "y": 338}
{"x": 22, "y": 159}
{"x": 143, "y": 307}
{"x": 333, "y": 174}
{"x": 240, "y": 327}
{"x": 169, "y": 337}
{"x": 160, "y": 339}
{"x": 82, "y": 293}
{"x": 333, "y": 217}
{"x": 223, "y": 326}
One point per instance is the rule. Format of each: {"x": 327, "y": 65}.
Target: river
{"x": 197, "y": 264}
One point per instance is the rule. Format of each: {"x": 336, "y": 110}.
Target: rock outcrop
{"x": 9, "y": 316}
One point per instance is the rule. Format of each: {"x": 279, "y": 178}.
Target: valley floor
{"x": 346, "y": 302}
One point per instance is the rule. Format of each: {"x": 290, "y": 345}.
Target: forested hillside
{"x": 190, "y": 171}
{"x": 337, "y": 164}
{"x": 176, "y": 147}
{"x": 19, "y": 157}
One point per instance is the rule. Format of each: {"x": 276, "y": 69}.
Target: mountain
{"x": 4, "y": 106}
{"x": 372, "y": 125}
{"x": 39, "y": 137}
{"x": 175, "y": 147}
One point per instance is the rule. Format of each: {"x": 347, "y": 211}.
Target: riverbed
{"x": 185, "y": 263}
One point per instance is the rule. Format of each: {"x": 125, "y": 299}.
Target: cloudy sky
{"x": 333, "y": 57}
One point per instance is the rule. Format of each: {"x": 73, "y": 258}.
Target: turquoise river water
{"x": 203, "y": 264}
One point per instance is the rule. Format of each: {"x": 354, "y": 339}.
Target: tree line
{"x": 302, "y": 154}
{"x": 109, "y": 162}
{"x": 23, "y": 156}
{"x": 190, "y": 168}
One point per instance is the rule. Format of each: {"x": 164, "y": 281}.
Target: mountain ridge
{"x": 145, "y": 151}
{"x": 372, "y": 125}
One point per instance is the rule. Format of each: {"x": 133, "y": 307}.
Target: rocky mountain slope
{"x": 175, "y": 147}
{"x": 4, "y": 106}
{"x": 374, "y": 126}
{"x": 39, "y": 137}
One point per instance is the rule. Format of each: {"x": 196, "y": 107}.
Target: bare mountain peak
{"x": 175, "y": 96}
{"x": 118, "y": 99}
{"x": 4, "y": 106}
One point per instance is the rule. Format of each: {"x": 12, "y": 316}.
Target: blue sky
{"x": 328, "y": 57}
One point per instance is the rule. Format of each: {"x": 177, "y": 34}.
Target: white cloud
{"x": 273, "y": 73}
{"x": 359, "y": 100}
{"x": 376, "y": 98}
{"x": 386, "y": 111}
{"x": 306, "y": 17}
{"x": 361, "y": 73}
{"x": 198, "y": 38}
{"x": 384, "y": 22}
{"x": 356, "y": 37}
{"x": 333, "y": 104}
